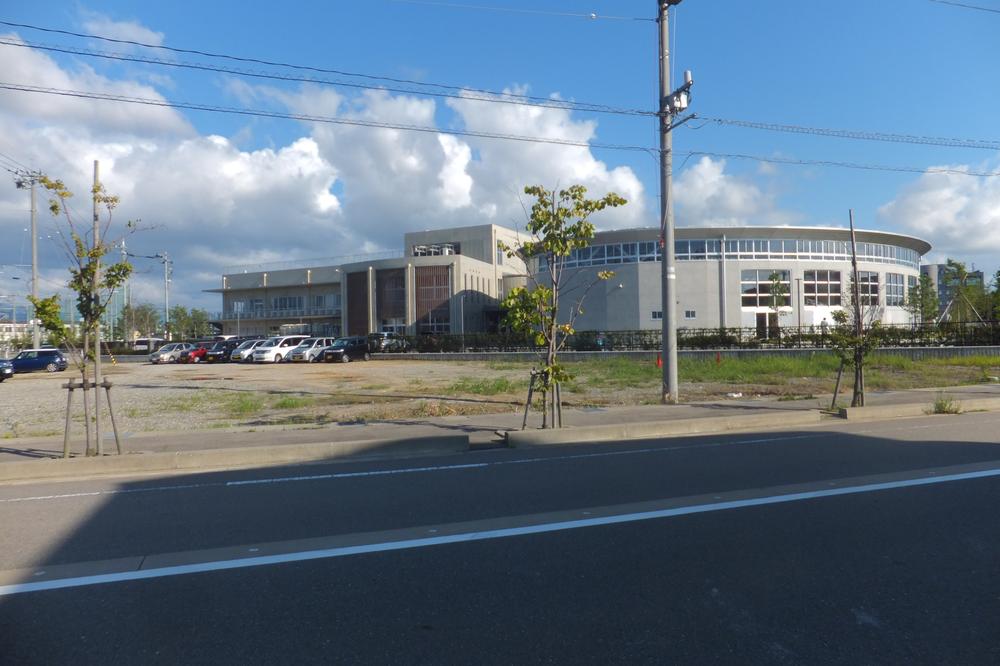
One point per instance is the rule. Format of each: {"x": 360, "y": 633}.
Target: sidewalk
{"x": 458, "y": 433}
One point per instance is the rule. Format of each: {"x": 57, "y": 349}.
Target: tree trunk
{"x": 86, "y": 400}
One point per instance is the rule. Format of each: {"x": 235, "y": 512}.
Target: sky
{"x": 217, "y": 190}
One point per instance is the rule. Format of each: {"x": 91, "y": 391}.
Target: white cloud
{"x": 336, "y": 190}
{"x": 959, "y": 215}
{"x": 706, "y": 195}
{"x": 24, "y": 109}
{"x": 132, "y": 31}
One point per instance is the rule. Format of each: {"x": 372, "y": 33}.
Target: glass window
{"x": 868, "y": 287}
{"x": 629, "y": 253}
{"x": 894, "y": 294}
{"x": 821, "y": 287}
{"x": 648, "y": 251}
{"x": 755, "y": 288}
{"x": 697, "y": 249}
{"x": 613, "y": 253}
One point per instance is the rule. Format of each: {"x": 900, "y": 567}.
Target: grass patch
{"x": 491, "y": 386}
{"x": 758, "y": 369}
{"x": 191, "y": 402}
{"x": 292, "y": 402}
{"x": 244, "y": 405}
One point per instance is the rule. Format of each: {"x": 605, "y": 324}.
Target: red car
{"x": 196, "y": 355}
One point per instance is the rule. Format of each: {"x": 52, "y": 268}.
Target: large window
{"x": 894, "y": 289}
{"x": 821, "y": 288}
{"x": 868, "y": 287}
{"x": 286, "y": 303}
{"x": 755, "y": 287}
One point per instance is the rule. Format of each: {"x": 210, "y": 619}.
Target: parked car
{"x": 196, "y": 354}
{"x": 309, "y": 350}
{"x": 221, "y": 350}
{"x": 6, "y": 369}
{"x": 387, "y": 342}
{"x": 274, "y": 349}
{"x": 244, "y": 351}
{"x": 169, "y": 353}
{"x": 346, "y": 350}
{"x": 30, "y": 360}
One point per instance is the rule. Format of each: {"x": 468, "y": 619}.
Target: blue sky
{"x": 220, "y": 189}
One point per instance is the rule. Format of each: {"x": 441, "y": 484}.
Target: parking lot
{"x": 204, "y": 396}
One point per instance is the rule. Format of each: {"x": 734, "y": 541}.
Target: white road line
{"x": 465, "y": 537}
{"x": 407, "y": 470}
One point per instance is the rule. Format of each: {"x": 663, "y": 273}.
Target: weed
{"x": 944, "y": 404}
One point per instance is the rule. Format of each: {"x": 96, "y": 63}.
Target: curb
{"x": 650, "y": 429}
{"x": 215, "y": 459}
{"x": 915, "y": 409}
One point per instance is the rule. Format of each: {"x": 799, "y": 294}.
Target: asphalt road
{"x": 863, "y": 543}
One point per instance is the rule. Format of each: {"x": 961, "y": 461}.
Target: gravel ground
{"x": 171, "y": 397}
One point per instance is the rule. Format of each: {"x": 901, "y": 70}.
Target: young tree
{"x": 967, "y": 295}
{"x": 142, "y": 320}
{"x": 778, "y": 299}
{"x": 922, "y": 301}
{"x": 559, "y": 223}
{"x": 93, "y": 293}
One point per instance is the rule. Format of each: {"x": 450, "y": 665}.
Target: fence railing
{"x": 961, "y": 334}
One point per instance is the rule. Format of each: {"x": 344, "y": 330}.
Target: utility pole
{"x": 670, "y": 103}
{"x": 166, "y": 294}
{"x": 28, "y": 179}
{"x": 97, "y": 327}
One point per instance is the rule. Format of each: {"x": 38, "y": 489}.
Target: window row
{"x": 692, "y": 250}
{"x": 771, "y": 288}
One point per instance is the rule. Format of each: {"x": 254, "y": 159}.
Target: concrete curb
{"x": 209, "y": 459}
{"x": 916, "y": 409}
{"x": 649, "y": 429}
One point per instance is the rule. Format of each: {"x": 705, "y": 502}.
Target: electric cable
{"x": 517, "y": 10}
{"x": 271, "y": 63}
{"x": 310, "y": 118}
{"x": 951, "y": 142}
{"x": 497, "y": 98}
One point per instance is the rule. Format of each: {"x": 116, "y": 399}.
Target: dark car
{"x": 346, "y": 350}
{"x": 220, "y": 351}
{"x": 30, "y": 360}
{"x": 387, "y": 342}
{"x": 6, "y": 370}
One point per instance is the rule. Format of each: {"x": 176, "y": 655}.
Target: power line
{"x": 847, "y": 165}
{"x": 477, "y": 134}
{"x": 309, "y": 118}
{"x": 10, "y": 162}
{"x": 516, "y": 10}
{"x": 270, "y": 63}
{"x": 497, "y": 98}
{"x": 965, "y": 6}
{"x": 983, "y": 144}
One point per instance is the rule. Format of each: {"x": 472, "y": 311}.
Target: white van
{"x": 274, "y": 349}
{"x": 147, "y": 344}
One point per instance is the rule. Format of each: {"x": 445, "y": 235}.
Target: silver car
{"x": 310, "y": 350}
{"x": 170, "y": 352}
{"x": 244, "y": 352}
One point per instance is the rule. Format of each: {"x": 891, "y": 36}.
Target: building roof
{"x": 765, "y": 233}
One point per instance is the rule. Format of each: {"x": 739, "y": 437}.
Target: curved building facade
{"x": 725, "y": 276}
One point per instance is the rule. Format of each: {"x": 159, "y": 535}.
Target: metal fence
{"x": 952, "y": 334}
